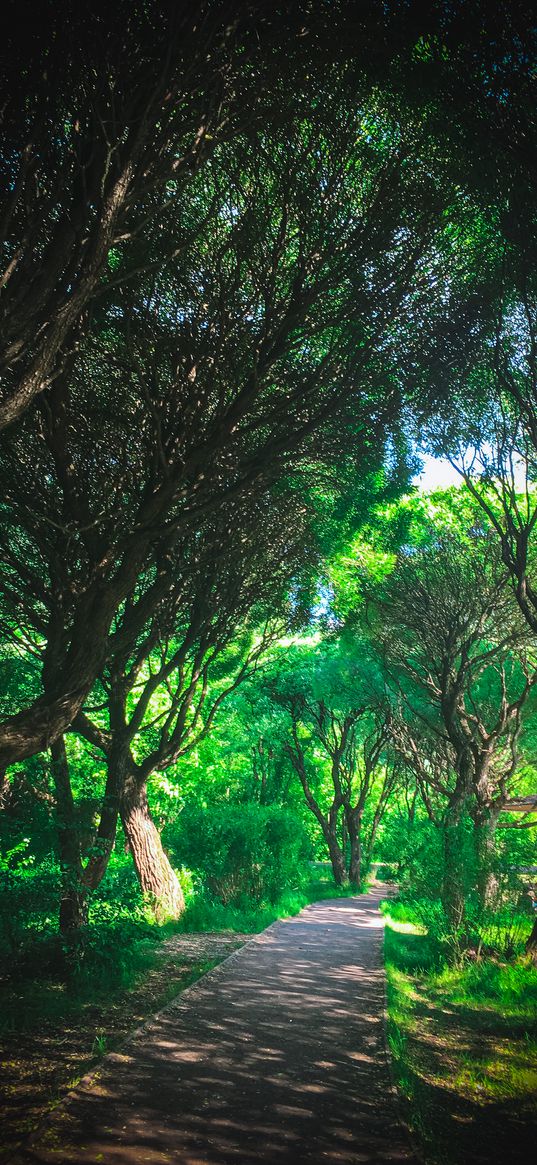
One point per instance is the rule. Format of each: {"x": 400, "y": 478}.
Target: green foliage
{"x": 110, "y": 954}
{"x": 204, "y": 912}
{"x": 418, "y": 849}
{"x": 207, "y": 913}
{"x": 241, "y": 853}
{"x": 498, "y": 933}
{"x": 386, "y": 871}
{"x": 336, "y": 259}
{"x": 28, "y": 898}
{"x": 103, "y": 953}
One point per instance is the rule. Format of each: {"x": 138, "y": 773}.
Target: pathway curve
{"x": 275, "y": 1056}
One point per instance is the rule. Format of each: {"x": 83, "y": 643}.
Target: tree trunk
{"x": 337, "y": 857}
{"x": 485, "y": 823}
{"x": 531, "y": 945}
{"x": 77, "y": 662}
{"x": 355, "y": 863}
{"x": 453, "y": 873}
{"x": 354, "y": 826}
{"x": 328, "y": 822}
{"x": 344, "y": 835}
{"x": 105, "y": 837}
{"x": 73, "y": 902}
{"x": 157, "y": 878}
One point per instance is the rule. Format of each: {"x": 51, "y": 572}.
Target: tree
{"x": 337, "y": 747}
{"x": 157, "y": 699}
{"x": 256, "y": 324}
{"x": 109, "y": 115}
{"x": 451, "y": 627}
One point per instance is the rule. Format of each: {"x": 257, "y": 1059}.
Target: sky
{"x": 437, "y": 473}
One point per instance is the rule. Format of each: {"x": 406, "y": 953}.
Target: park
{"x": 268, "y": 582}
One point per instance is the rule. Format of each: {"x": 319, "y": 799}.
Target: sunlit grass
{"x": 463, "y": 1038}
{"x": 206, "y": 913}
{"x": 501, "y": 1075}
{"x": 404, "y": 927}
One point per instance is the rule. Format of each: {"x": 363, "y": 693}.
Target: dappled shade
{"x": 277, "y": 1055}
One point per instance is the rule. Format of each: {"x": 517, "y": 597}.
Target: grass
{"x": 205, "y": 914}
{"x": 463, "y": 1041}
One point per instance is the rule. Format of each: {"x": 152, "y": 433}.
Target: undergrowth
{"x": 463, "y": 1039}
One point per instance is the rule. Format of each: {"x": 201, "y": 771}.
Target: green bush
{"x": 242, "y": 854}
{"x": 29, "y": 899}
{"x": 118, "y": 896}
{"x": 501, "y": 932}
{"x": 109, "y": 955}
{"x": 205, "y": 913}
{"x": 386, "y": 872}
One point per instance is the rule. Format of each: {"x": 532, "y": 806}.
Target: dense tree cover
{"x": 255, "y": 347}
{"x": 337, "y": 737}
{"x": 243, "y": 252}
{"x": 451, "y": 628}
{"x": 246, "y": 258}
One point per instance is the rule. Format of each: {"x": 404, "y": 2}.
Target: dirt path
{"x": 275, "y": 1056}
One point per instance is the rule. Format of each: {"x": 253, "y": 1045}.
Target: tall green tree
{"x": 337, "y": 744}
{"x": 464, "y": 665}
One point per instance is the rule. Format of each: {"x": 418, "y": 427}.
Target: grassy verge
{"x": 204, "y": 914}
{"x": 464, "y": 1047}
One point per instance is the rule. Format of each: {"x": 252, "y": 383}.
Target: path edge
{"x": 92, "y": 1077}
{"x": 408, "y": 1131}
{"x": 89, "y": 1079}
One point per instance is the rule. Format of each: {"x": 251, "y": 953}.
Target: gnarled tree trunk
{"x": 453, "y": 899}
{"x": 327, "y": 821}
{"x": 337, "y": 857}
{"x": 485, "y": 823}
{"x": 105, "y": 837}
{"x": 354, "y": 826}
{"x": 156, "y": 876}
{"x": 73, "y": 901}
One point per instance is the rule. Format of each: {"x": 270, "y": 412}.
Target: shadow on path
{"x": 275, "y": 1056}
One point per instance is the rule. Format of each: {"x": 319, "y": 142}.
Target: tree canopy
{"x": 254, "y": 262}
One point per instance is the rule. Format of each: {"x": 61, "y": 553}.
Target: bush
{"x": 500, "y": 933}
{"x": 243, "y": 854}
{"x": 386, "y": 872}
{"x": 29, "y": 897}
{"x": 118, "y": 897}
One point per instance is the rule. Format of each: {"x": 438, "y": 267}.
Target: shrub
{"x": 241, "y": 853}
{"x": 28, "y": 897}
{"x": 386, "y": 872}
